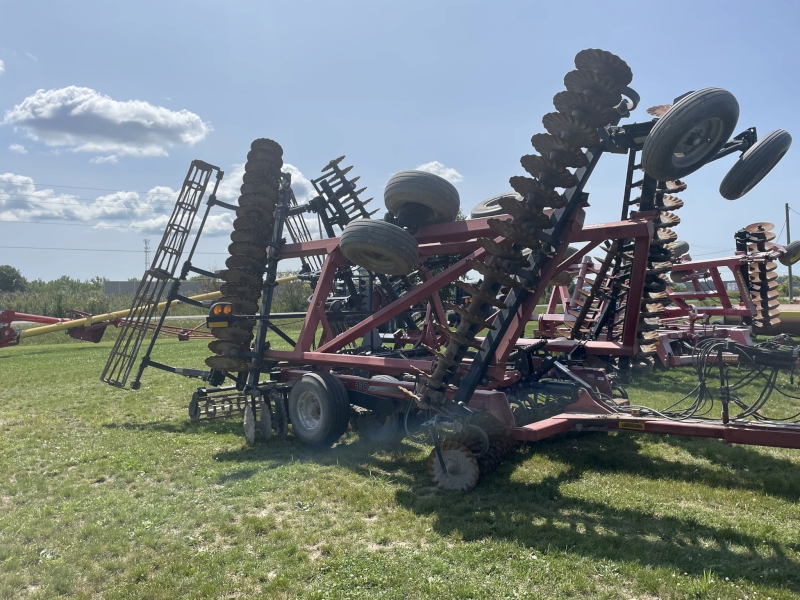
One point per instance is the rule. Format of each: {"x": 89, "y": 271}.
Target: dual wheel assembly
{"x": 691, "y": 132}
{"x": 414, "y": 199}
{"x": 319, "y": 410}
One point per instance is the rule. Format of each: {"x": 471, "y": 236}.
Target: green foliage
{"x": 58, "y": 297}
{"x": 11, "y": 280}
{"x": 783, "y": 285}
{"x": 291, "y": 296}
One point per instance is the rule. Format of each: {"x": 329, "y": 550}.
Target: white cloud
{"x": 2, "y": 67}
{"x": 18, "y": 148}
{"x": 228, "y": 190}
{"x": 22, "y": 200}
{"x": 31, "y": 56}
{"x": 111, "y": 158}
{"x": 84, "y": 120}
{"x": 439, "y": 169}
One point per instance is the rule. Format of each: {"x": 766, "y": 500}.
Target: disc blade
{"x": 760, "y": 227}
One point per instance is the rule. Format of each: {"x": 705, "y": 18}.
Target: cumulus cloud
{"x": 442, "y": 171}
{"x": 2, "y": 67}
{"x": 22, "y": 200}
{"x": 84, "y": 120}
{"x": 18, "y": 148}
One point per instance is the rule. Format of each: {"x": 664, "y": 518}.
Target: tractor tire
{"x": 754, "y": 164}
{"x": 381, "y": 430}
{"x": 424, "y": 190}
{"x": 690, "y": 134}
{"x": 379, "y": 247}
{"x": 319, "y": 409}
{"x": 491, "y": 207}
{"x": 792, "y": 254}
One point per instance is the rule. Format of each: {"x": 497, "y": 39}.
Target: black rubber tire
{"x": 792, "y": 254}
{"x": 712, "y": 107}
{"x": 426, "y": 189}
{"x": 388, "y": 431}
{"x": 330, "y": 397}
{"x": 679, "y": 248}
{"x": 754, "y": 164}
{"x": 379, "y": 247}
{"x": 491, "y": 207}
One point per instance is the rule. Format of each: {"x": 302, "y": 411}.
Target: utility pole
{"x": 147, "y": 255}
{"x": 789, "y": 241}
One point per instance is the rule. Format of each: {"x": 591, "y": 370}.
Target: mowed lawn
{"x": 108, "y": 493}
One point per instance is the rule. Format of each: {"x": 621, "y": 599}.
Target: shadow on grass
{"x": 545, "y": 517}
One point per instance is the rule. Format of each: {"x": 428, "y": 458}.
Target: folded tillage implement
{"x": 397, "y": 341}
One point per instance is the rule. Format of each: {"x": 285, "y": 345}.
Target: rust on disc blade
{"x": 671, "y": 202}
{"x": 228, "y": 364}
{"x": 764, "y": 236}
{"x": 760, "y": 227}
{"x": 768, "y": 266}
{"x": 559, "y": 151}
{"x": 583, "y": 107}
{"x": 225, "y": 347}
{"x": 603, "y": 89}
{"x": 240, "y": 290}
{"x": 604, "y": 63}
{"x": 233, "y": 334}
{"x": 242, "y": 276}
{"x": 760, "y": 277}
{"x": 755, "y": 248}
{"x": 548, "y": 172}
{"x": 659, "y": 110}
{"x": 572, "y": 130}
{"x": 240, "y": 261}
{"x": 267, "y": 145}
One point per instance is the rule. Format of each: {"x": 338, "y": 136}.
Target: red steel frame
{"x": 462, "y": 238}
{"x": 676, "y": 315}
{"x": 448, "y": 239}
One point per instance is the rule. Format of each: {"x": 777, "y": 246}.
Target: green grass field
{"x": 108, "y": 493}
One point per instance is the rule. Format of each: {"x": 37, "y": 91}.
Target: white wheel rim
{"x": 309, "y": 410}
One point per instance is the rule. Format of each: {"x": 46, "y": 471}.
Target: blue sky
{"x": 392, "y": 85}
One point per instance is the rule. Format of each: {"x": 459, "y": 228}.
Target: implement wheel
{"x": 319, "y": 409}
{"x": 754, "y": 164}
{"x": 429, "y": 197}
{"x": 690, "y": 134}
{"x": 379, "y": 247}
{"x": 491, "y": 206}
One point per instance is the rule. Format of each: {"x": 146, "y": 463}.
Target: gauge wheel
{"x": 690, "y": 134}
{"x": 754, "y": 164}
{"x": 791, "y": 255}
